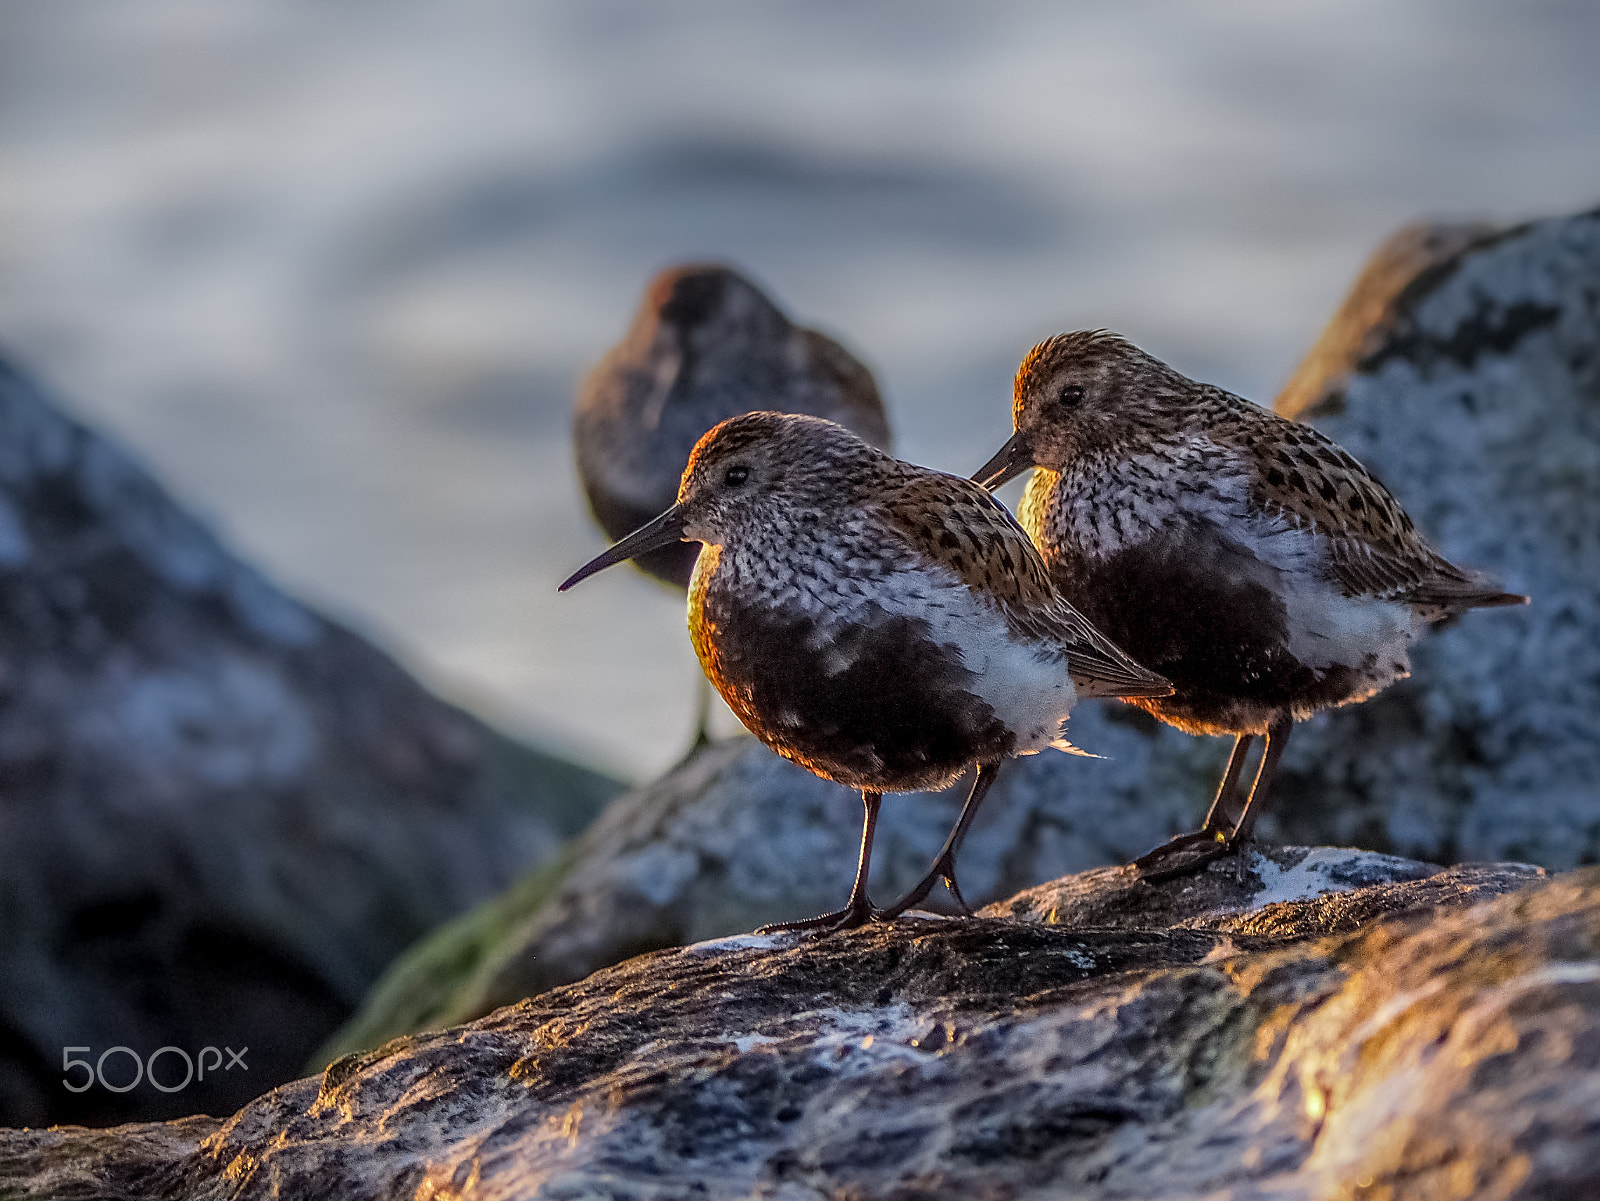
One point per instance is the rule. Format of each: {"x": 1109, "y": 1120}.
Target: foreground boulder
{"x": 1311, "y": 1025}
{"x": 221, "y": 814}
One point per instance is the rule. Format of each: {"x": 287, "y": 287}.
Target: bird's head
{"x": 707, "y": 316}
{"x": 1081, "y": 392}
{"x": 756, "y": 473}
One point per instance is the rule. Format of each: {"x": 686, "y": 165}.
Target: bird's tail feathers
{"x": 1061, "y": 744}
{"x": 1446, "y": 597}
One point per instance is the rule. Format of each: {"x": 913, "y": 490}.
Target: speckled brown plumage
{"x": 957, "y": 524}
{"x": 705, "y": 345}
{"x": 1293, "y": 472}
{"x": 883, "y": 625}
{"x": 1247, "y": 558}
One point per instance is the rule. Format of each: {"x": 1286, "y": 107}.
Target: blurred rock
{"x": 1444, "y": 1043}
{"x": 1408, "y": 262}
{"x": 222, "y": 815}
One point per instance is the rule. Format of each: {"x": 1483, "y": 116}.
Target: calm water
{"x": 333, "y": 269}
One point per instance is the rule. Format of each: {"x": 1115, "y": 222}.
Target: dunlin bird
{"x": 883, "y": 625}
{"x": 1244, "y": 556}
{"x": 705, "y": 345}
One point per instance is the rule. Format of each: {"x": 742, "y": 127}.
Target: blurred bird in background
{"x": 705, "y": 345}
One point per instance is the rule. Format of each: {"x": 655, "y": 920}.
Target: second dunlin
{"x": 884, "y": 625}
{"x": 1245, "y": 556}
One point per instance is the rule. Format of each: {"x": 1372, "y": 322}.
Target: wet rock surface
{"x": 1292, "y": 892}
{"x": 221, "y": 814}
{"x": 1212, "y": 1039}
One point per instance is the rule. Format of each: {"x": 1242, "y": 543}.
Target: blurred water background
{"x": 333, "y": 269}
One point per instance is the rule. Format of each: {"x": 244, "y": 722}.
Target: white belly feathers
{"x": 1026, "y": 684}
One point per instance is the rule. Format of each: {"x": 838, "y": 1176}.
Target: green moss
{"x": 432, "y": 983}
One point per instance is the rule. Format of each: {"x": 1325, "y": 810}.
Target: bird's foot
{"x": 858, "y": 912}
{"x": 1185, "y": 855}
{"x": 944, "y": 869}
{"x": 955, "y": 891}
{"x": 1179, "y": 842}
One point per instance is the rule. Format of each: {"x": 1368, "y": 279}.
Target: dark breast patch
{"x": 1203, "y": 611}
{"x": 880, "y": 706}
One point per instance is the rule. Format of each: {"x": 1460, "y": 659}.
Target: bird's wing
{"x": 957, "y": 524}
{"x": 1374, "y": 550}
{"x": 1098, "y": 666}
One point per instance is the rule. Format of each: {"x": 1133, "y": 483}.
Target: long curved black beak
{"x": 663, "y": 531}
{"x": 1010, "y": 461}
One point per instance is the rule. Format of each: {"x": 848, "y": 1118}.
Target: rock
{"x": 222, "y": 814}
{"x": 738, "y": 837}
{"x": 1443, "y": 1043}
{"x": 1409, "y": 261}
{"x": 1266, "y": 892}
{"x": 1476, "y": 398}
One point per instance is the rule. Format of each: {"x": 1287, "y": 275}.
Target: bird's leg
{"x": 858, "y": 910}
{"x": 702, "y": 715}
{"x": 1217, "y": 815}
{"x": 702, "y": 722}
{"x": 945, "y": 865}
{"x": 1277, "y": 738}
{"x": 1215, "y": 829}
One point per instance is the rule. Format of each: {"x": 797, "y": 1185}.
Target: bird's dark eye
{"x": 736, "y": 475}
{"x": 1070, "y": 395}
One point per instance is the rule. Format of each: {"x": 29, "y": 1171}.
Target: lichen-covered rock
{"x": 1477, "y": 400}
{"x": 1444, "y": 1042}
{"x": 221, "y": 814}
{"x": 1408, "y": 262}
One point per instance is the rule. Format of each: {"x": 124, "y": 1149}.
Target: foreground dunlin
{"x": 1244, "y": 556}
{"x": 883, "y": 625}
{"x": 705, "y": 345}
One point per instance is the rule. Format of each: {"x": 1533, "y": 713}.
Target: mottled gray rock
{"x": 1447, "y": 1044}
{"x": 221, "y": 814}
{"x": 1408, "y": 262}
{"x": 1478, "y": 402}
